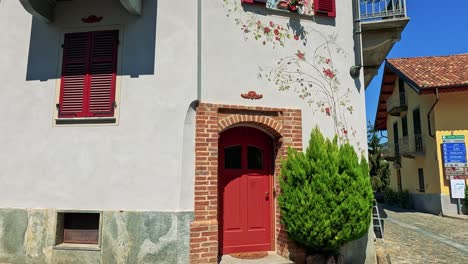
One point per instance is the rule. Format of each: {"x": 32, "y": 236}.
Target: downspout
{"x": 199, "y": 50}
{"x": 430, "y": 111}
{"x": 356, "y": 68}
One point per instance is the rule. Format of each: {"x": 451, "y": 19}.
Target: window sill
{"x": 86, "y": 120}
{"x": 83, "y": 247}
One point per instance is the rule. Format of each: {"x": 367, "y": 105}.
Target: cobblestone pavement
{"x": 407, "y": 245}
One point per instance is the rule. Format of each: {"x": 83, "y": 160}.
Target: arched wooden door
{"x": 245, "y": 190}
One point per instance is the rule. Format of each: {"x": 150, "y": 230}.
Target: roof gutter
{"x": 430, "y": 111}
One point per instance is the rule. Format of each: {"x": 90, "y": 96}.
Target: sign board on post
{"x": 454, "y": 156}
{"x": 457, "y": 188}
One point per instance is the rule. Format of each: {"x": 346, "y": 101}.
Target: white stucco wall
{"x": 145, "y": 162}
{"x": 230, "y": 63}
{"x": 134, "y": 165}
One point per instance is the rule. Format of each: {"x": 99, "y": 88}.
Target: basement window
{"x": 78, "y": 228}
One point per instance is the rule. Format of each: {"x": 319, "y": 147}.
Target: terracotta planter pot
{"x": 283, "y": 5}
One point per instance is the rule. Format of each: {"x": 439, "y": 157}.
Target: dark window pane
{"x": 232, "y": 157}
{"x": 404, "y": 123}
{"x": 254, "y": 158}
{"x": 82, "y": 228}
{"x": 422, "y": 186}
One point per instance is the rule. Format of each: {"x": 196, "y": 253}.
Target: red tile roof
{"x": 434, "y": 72}
{"x": 424, "y": 74}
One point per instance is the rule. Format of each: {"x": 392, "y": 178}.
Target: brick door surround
{"x": 282, "y": 124}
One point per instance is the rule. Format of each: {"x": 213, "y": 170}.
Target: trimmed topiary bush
{"x": 326, "y": 195}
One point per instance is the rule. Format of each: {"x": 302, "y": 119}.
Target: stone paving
{"x": 272, "y": 258}
{"x": 416, "y": 245}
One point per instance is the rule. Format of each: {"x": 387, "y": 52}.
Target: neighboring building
{"x": 144, "y": 131}
{"x": 421, "y": 100}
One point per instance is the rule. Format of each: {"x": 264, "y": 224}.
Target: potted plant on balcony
{"x": 283, "y": 4}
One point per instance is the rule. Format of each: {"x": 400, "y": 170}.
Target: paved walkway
{"x": 412, "y": 237}
{"x": 272, "y": 258}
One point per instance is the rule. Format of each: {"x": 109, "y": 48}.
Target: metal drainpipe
{"x": 430, "y": 111}
{"x": 199, "y": 50}
{"x": 355, "y": 69}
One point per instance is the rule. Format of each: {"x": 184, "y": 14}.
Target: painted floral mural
{"x": 312, "y": 75}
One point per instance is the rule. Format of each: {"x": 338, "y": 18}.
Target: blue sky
{"x": 435, "y": 28}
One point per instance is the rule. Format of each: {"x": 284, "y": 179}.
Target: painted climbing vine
{"x": 311, "y": 73}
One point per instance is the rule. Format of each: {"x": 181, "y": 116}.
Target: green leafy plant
{"x": 390, "y": 197}
{"x": 400, "y": 198}
{"x": 326, "y": 195}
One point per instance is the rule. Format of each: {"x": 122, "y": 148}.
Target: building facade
{"x": 144, "y": 131}
{"x": 422, "y": 101}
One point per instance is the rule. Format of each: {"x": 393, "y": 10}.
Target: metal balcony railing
{"x": 397, "y": 103}
{"x": 411, "y": 146}
{"x": 382, "y": 9}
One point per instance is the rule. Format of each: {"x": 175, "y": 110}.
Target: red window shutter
{"x": 88, "y": 74}
{"x": 74, "y": 74}
{"x": 247, "y": 1}
{"x": 325, "y": 8}
{"x": 103, "y": 69}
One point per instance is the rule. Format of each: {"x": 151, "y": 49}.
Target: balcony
{"x": 390, "y": 151}
{"x": 412, "y": 146}
{"x": 397, "y": 104}
{"x": 382, "y": 22}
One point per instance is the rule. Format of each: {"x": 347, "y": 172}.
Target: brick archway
{"x": 284, "y": 125}
{"x": 265, "y": 123}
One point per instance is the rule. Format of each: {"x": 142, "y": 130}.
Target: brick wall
{"x": 285, "y": 125}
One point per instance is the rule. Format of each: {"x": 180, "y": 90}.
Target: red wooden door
{"x": 245, "y": 185}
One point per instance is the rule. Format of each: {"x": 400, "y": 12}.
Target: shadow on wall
{"x": 138, "y": 51}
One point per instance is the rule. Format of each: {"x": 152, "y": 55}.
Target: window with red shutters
{"x": 325, "y": 8}
{"x": 88, "y": 74}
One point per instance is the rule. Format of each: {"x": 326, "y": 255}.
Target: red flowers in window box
{"x": 283, "y": 5}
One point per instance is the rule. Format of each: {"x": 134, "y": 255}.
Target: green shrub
{"x": 390, "y": 197}
{"x": 326, "y": 196}
{"x": 400, "y": 199}
{"x": 404, "y": 199}
{"x": 376, "y": 183}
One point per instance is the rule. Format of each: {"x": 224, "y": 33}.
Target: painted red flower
{"x": 327, "y": 111}
{"x": 276, "y": 32}
{"x": 259, "y": 23}
{"x": 296, "y": 37}
{"x": 345, "y": 131}
{"x": 300, "y": 55}
{"x": 327, "y": 61}
{"x": 266, "y": 30}
{"x": 277, "y": 38}
{"x": 328, "y": 73}
{"x": 272, "y": 24}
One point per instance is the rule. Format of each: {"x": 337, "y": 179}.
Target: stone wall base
{"x": 428, "y": 203}
{"x": 29, "y": 236}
